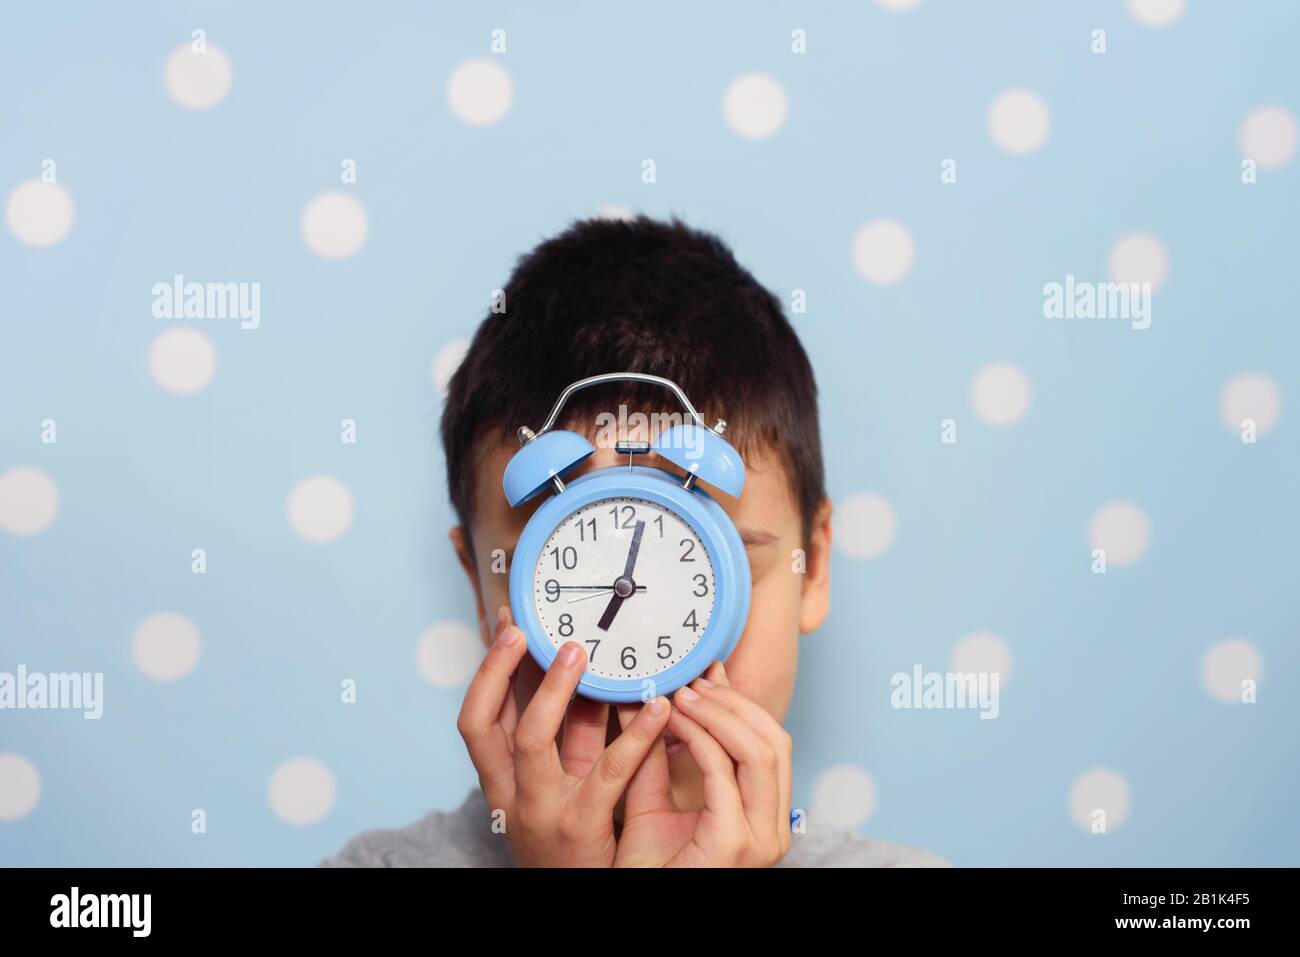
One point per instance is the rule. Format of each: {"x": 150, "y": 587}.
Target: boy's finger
{"x": 756, "y": 716}
{"x": 721, "y": 793}
{"x": 478, "y": 724}
{"x": 757, "y": 769}
{"x": 649, "y": 788}
{"x": 618, "y": 763}
{"x": 586, "y": 725}
{"x": 537, "y": 758}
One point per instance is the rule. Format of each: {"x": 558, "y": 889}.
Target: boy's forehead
{"x": 765, "y": 511}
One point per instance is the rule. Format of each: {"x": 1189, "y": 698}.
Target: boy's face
{"x": 786, "y": 602}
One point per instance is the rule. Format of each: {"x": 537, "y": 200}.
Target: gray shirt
{"x": 464, "y": 838}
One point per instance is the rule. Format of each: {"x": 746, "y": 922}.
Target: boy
{"x": 703, "y": 779}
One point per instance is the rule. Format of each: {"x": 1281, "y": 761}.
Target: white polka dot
{"x": 166, "y": 646}
{"x": 447, "y": 653}
{"x": 863, "y": 526}
{"x": 1226, "y": 665}
{"x": 29, "y": 501}
{"x": 334, "y": 225}
{"x": 301, "y": 791}
{"x": 1000, "y": 394}
{"x": 1139, "y": 257}
{"x": 447, "y": 361}
{"x": 320, "y": 508}
{"x": 182, "y": 360}
{"x": 479, "y": 92}
{"x": 899, "y": 5}
{"x": 615, "y": 212}
{"x": 1122, "y": 530}
{"x": 1251, "y": 395}
{"x": 1019, "y": 122}
{"x": 883, "y": 252}
{"x": 39, "y": 214}
{"x": 20, "y": 787}
{"x": 982, "y": 652}
{"x": 754, "y": 106}
{"x": 844, "y": 798}
{"x": 1100, "y": 789}
{"x": 1268, "y": 136}
{"x": 1155, "y": 13}
{"x": 197, "y": 81}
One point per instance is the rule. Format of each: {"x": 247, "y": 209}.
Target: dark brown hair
{"x": 637, "y": 296}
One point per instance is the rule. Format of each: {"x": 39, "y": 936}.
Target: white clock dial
{"x": 633, "y": 625}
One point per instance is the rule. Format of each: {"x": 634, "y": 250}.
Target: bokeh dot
{"x": 1000, "y": 394}
{"x": 447, "y": 653}
{"x": 320, "y": 508}
{"x": 198, "y": 81}
{"x": 615, "y": 212}
{"x": 883, "y": 251}
{"x": 480, "y": 92}
{"x": 1250, "y": 395}
{"x": 863, "y": 526}
{"x": 1019, "y": 122}
{"x": 982, "y": 652}
{"x": 20, "y": 787}
{"x": 39, "y": 214}
{"x": 182, "y": 360}
{"x": 1141, "y": 258}
{"x": 1156, "y": 13}
{"x": 1228, "y": 663}
{"x": 29, "y": 501}
{"x": 754, "y": 106}
{"x": 334, "y": 225}
{"x": 1100, "y": 789}
{"x": 301, "y": 791}
{"x": 447, "y": 361}
{"x": 844, "y": 798}
{"x": 166, "y": 646}
{"x": 1121, "y": 529}
{"x": 1268, "y": 136}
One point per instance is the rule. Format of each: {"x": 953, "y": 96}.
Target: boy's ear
{"x": 465, "y": 555}
{"x": 815, "y": 602}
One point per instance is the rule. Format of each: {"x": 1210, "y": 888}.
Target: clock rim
{"x": 705, "y": 517}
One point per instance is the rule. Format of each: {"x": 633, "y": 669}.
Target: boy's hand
{"x": 558, "y": 802}
{"x": 745, "y": 756}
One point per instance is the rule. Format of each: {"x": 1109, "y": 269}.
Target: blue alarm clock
{"x": 641, "y": 567}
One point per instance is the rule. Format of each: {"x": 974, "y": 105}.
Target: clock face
{"x": 630, "y": 581}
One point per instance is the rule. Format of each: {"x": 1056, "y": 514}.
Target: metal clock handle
{"x": 527, "y": 435}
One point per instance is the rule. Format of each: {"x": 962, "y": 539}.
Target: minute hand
{"x": 616, "y": 600}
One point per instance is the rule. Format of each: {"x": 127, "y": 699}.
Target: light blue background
{"x": 992, "y": 532}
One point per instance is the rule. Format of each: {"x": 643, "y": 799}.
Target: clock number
{"x": 582, "y": 531}
{"x": 659, "y": 520}
{"x": 629, "y": 516}
{"x": 628, "y": 658}
{"x": 690, "y": 550}
{"x": 702, "y": 588}
{"x": 665, "y": 649}
{"x": 568, "y": 557}
{"x": 591, "y": 655}
{"x": 552, "y": 590}
{"x": 566, "y": 621}
{"x": 690, "y": 622}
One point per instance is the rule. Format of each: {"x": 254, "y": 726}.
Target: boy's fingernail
{"x": 704, "y": 683}
{"x": 503, "y": 618}
{"x": 687, "y": 692}
{"x": 656, "y": 706}
{"x": 508, "y": 636}
{"x": 569, "y": 655}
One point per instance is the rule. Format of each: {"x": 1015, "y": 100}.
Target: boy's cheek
{"x": 762, "y": 667}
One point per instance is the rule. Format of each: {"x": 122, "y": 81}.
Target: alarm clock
{"x": 640, "y": 566}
